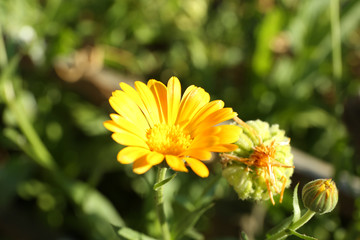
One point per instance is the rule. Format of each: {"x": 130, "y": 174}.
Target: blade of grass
{"x": 336, "y": 39}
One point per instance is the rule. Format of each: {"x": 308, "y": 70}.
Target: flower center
{"x": 168, "y": 139}
{"x": 263, "y": 155}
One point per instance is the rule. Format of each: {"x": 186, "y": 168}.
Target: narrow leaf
{"x": 92, "y": 201}
{"x": 129, "y": 234}
{"x": 302, "y": 236}
{"x": 189, "y": 220}
{"x": 244, "y": 236}
{"x": 194, "y": 234}
{"x": 281, "y": 226}
{"x": 6, "y": 74}
{"x": 163, "y": 182}
{"x": 10, "y": 68}
{"x": 297, "y": 212}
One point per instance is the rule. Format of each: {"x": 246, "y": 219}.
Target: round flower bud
{"x": 262, "y": 165}
{"x": 320, "y": 195}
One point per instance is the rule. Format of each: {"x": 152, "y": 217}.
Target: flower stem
{"x": 293, "y": 227}
{"x": 160, "y": 204}
{"x": 3, "y": 56}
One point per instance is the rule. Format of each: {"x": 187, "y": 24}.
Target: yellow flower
{"x": 156, "y": 123}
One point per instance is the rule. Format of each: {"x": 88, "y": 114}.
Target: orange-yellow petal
{"x": 203, "y": 113}
{"x": 204, "y": 142}
{"x": 154, "y": 158}
{"x": 173, "y": 99}
{"x": 217, "y": 117}
{"x": 127, "y": 126}
{"x": 128, "y": 109}
{"x": 149, "y": 101}
{"x": 112, "y": 126}
{"x": 129, "y": 139}
{"x": 228, "y": 133}
{"x": 198, "y": 167}
{"x": 223, "y": 148}
{"x": 135, "y": 96}
{"x": 130, "y": 154}
{"x": 193, "y": 100}
{"x": 198, "y": 154}
{"x": 141, "y": 165}
{"x": 160, "y": 93}
{"x": 176, "y": 163}
{"x": 210, "y": 131}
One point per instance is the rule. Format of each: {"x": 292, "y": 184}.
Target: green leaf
{"x": 297, "y": 212}
{"x": 268, "y": 29}
{"x": 130, "y": 234}
{"x": 6, "y": 86}
{"x": 302, "y": 236}
{"x": 244, "y": 236}
{"x": 12, "y": 174}
{"x": 91, "y": 201}
{"x": 194, "y": 234}
{"x": 10, "y": 68}
{"x": 163, "y": 182}
{"x": 281, "y": 226}
{"x": 189, "y": 220}
{"x": 3, "y": 56}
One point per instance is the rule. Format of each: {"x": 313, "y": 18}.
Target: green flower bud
{"x": 262, "y": 165}
{"x": 320, "y": 195}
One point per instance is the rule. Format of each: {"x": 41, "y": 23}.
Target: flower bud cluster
{"x": 262, "y": 165}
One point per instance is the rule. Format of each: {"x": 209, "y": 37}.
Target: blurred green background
{"x": 267, "y": 59}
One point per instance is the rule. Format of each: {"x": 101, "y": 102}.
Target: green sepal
{"x": 126, "y": 233}
{"x": 296, "y": 207}
{"x": 163, "y": 182}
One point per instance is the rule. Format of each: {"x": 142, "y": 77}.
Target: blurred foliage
{"x": 266, "y": 59}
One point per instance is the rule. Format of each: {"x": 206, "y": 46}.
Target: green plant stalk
{"x": 43, "y": 157}
{"x": 160, "y": 204}
{"x": 3, "y": 56}
{"x": 39, "y": 151}
{"x": 336, "y": 38}
{"x": 293, "y": 227}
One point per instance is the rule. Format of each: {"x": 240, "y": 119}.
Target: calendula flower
{"x": 156, "y": 123}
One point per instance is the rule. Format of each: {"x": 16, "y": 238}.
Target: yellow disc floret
{"x": 168, "y": 139}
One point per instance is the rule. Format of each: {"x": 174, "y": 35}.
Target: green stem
{"x": 336, "y": 38}
{"x": 160, "y": 204}
{"x": 3, "y": 56}
{"x": 42, "y": 155}
{"x": 293, "y": 227}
